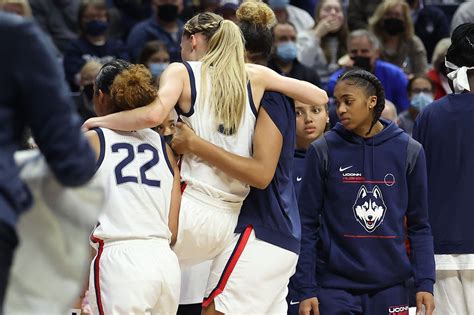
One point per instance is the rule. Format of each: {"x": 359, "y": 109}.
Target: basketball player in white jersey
{"x": 214, "y": 97}
{"x": 134, "y": 270}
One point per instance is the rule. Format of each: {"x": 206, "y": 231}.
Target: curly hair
{"x": 132, "y": 88}
{"x": 371, "y": 86}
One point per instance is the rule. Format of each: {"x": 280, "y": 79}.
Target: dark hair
{"x": 128, "y": 85}
{"x": 371, "y": 85}
{"x": 420, "y": 76}
{"x": 255, "y": 20}
{"x": 99, "y": 4}
{"x": 461, "y": 51}
{"x": 108, "y": 72}
{"x": 151, "y": 48}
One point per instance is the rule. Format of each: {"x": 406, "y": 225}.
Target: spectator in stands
{"x": 359, "y": 12}
{"x": 164, "y": 25}
{"x": 421, "y": 92}
{"x": 228, "y": 9}
{"x": 364, "y": 52}
{"x": 284, "y": 59}
{"x": 438, "y": 73}
{"x": 431, "y": 24}
{"x": 389, "y": 112}
{"x": 156, "y": 58}
{"x": 84, "y": 103}
{"x": 322, "y": 46}
{"x": 19, "y": 7}
{"x": 33, "y": 93}
{"x": 445, "y": 130}
{"x": 285, "y": 12}
{"x": 132, "y": 12}
{"x": 463, "y": 14}
{"x": 58, "y": 18}
{"x": 393, "y": 26}
{"x": 93, "y": 42}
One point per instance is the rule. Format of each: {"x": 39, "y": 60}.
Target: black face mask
{"x": 168, "y": 139}
{"x": 362, "y": 63}
{"x": 168, "y": 12}
{"x": 393, "y": 26}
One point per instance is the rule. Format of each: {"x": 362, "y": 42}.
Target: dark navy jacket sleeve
{"x": 310, "y": 203}
{"x": 45, "y": 105}
{"x": 419, "y": 230}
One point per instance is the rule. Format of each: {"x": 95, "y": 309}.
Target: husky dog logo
{"x": 369, "y": 208}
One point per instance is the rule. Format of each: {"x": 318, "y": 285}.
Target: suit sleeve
{"x": 419, "y": 230}
{"x": 310, "y": 204}
{"x": 46, "y": 106}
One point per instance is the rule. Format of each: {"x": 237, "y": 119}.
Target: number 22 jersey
{"x": 137, "y": 178}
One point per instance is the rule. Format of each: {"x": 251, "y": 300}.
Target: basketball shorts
{"x": 134, "y": 277}
{"x": 250, "y": 277}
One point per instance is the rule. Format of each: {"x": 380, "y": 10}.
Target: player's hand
{"x": 183, "y": 139}
{"x": 308, "y": 305}
{"x": 426, "y": 299}
{"x": 90, "y": 123}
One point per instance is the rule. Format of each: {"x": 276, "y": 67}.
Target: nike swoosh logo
{"x": 298, "y": 179}
{"x": 345, "y": 168}
{"x": 294, "y": 302}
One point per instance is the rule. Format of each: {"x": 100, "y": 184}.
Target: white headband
{"x": 458, "y": 76}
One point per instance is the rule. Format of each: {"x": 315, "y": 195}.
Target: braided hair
{"x": 371, "y": 85}
{"x": 206, "y": 23}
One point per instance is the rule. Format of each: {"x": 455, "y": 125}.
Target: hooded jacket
{"x": 353, "y": 204}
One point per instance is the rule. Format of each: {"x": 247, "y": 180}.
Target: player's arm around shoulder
{"x": 308, "y": 305}
{"x": 268, "y": 80}
{"x": 175, "y": 196}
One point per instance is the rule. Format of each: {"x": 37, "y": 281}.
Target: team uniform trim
{"x": 229, "y": 267}
{"x": 100, "y": 134}
{"x": 192, "y": 82}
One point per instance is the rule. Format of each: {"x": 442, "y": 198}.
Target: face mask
{"x": 286, "y": 51}
{"x": 393, "y": 26}
{"x": 157, "y": 68}
{"x": 421, "y": 100}
{"x": 168, "y": 12}
{"x": 278, "y": 4}
{"x": 95, "y": 27}
{"x": 362, "y": 63}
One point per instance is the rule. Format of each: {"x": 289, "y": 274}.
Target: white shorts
{"x": 194, "y": 282}
{"x": 134, "y": 277}
{"x": 206, "y": 227}
{"x": 250, "y": 277}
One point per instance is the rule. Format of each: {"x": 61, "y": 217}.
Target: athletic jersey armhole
{"x": 252, "y": 104}
{"x": 192, "y": 82}
{"x": 100, "y": 133}
{"x": 165, "y": 153}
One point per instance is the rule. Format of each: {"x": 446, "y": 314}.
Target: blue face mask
{"x": 287, "y": 51}
{"x": 157, "y": 68}
{"x": 421, "y": 100}
{"x": 96, "y": 27}
{"x": 278, "y": 4}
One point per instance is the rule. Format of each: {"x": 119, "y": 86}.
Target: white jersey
{"x": 197, "y": 173}
{"x": 138, "y": 180}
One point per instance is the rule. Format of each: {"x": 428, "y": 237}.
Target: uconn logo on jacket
{"x": 369, "y": 208}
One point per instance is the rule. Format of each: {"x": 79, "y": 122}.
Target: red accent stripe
{"x": 369, "y": 236}
{"x": 369, "y": 181}
{"x": 183, "y": 187}
{"x": 239, "y": 248}
{"x": 97, "y": 273}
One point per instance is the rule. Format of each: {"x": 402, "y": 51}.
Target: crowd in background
{"x": 313, "y": 40}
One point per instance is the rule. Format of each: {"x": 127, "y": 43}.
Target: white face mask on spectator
{"x": 458, "y": 76}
